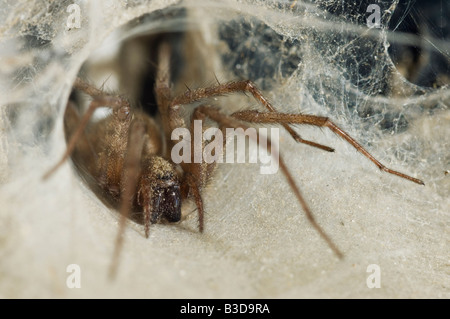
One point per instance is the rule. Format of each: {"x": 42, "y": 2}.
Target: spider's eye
{"x": 168, "y": 203}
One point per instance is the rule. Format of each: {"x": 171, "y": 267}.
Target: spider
{"x": 126, "y": 156}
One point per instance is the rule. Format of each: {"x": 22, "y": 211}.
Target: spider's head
{"x": 160, "y": 191}
{"x": 166, "y": 200}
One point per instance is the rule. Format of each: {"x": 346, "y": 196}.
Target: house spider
{"x": 125, "y": 153}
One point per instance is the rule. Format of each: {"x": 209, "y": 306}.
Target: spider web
{"x": 385, "y": 87}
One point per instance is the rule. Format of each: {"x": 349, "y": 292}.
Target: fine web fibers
{"x": 312, "y": 57}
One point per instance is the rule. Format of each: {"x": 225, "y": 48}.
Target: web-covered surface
{"x": 313, "y": 57}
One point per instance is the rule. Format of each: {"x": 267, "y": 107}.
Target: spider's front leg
{"x": 319, "y": 121}
{"x": 246, "y": 86}
{"x": 225, "y": 121}
{"x": 196, "y": 174}
{"x": 130, "y": 174}
{"x": 148, "y": 183}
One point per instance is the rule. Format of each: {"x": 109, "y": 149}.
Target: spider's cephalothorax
{"x": 130, "y": 148}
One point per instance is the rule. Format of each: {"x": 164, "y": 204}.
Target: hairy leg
{"x": 121, "y": 110}
{"x": 191, "y": 96}
{"x": 320, "y": 121}
{"x": 203, "y": 112}
{"x": 130, "y": 177}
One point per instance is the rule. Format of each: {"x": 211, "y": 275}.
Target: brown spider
{"x": 125, "y": 153}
